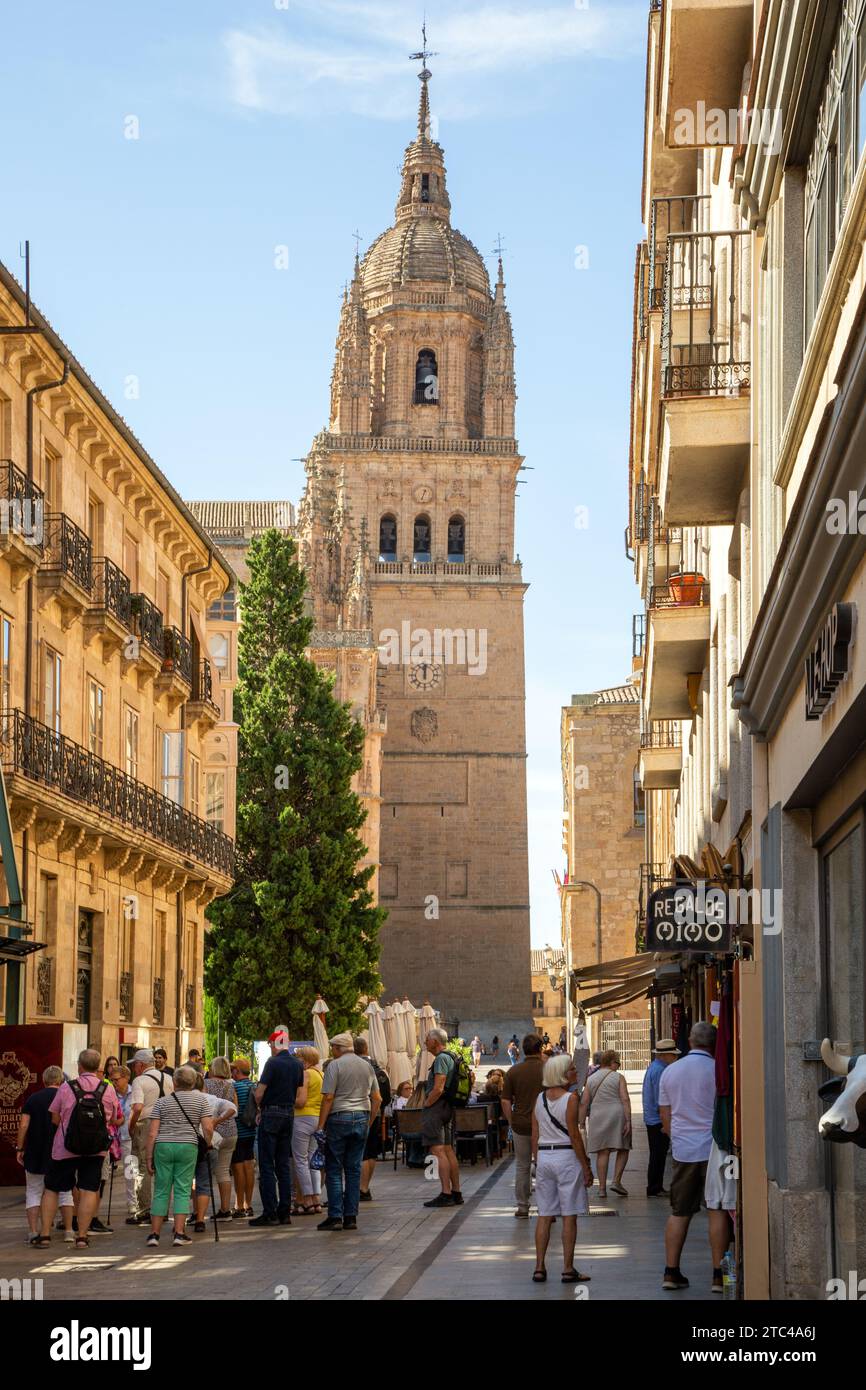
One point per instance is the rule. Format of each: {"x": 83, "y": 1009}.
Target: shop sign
{"x": 681, "y": 917}
{"x": 827, "y": 662}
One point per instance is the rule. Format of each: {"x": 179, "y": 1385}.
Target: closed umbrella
{"x": 409, "y": 1030}
{"x": 377, "y": 1041}
{"x": 426, "y": 1021}
{"x": 397, "y": 1066}
{"x": 320, "y": 1033}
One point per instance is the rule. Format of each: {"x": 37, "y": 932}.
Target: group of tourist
{"x": 559, "y": 1126}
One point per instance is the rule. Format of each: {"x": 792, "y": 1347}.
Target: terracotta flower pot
{"x": 686, "y": 587}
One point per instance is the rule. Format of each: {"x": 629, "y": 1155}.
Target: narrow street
{"x": 402, "y": 1251}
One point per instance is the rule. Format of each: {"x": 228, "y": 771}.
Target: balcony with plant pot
{"x": 705, "y": 45}
{"x": 22, "y": 522}
{"x": 705, "y": 378}
{"x": 201, "y": 708}
{"x": 677, "y": 643}
{"x": 661, "y": 755}
{"x": 175, "y": 676}
{"x": 143, "y": 651}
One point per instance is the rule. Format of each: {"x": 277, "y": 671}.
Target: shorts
{"x": 559, "y": 1186}
{"x": 244, "y": 1150}
{"x": 63, "y": 1174}
{"x": 436, "y": 1124}
{"x": 687, "y": 1187}
{"x": 35, "y": 1186}
{"x": 373, "y": 1146}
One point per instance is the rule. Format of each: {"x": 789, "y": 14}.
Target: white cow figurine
{"x": 845, "y": 1121}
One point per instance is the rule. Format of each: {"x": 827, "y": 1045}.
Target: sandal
{"x": 40, "y": 1242}
{"x": 571, "y": 1276}
{"x": 540, "y": 1276}
{"x": 82, "y": 1242}
{"x": 316, "y": 1209}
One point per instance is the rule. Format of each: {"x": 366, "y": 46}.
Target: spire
{"x": 423, "y": 77}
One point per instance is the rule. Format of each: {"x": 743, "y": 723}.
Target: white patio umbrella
{"x": 377, "y": 1042}
{"x": 426, "y": 1021}
{"x": 320, "y": 1033}
{"x": 409, "y": 1029}
{"x": 397, "y": 1066}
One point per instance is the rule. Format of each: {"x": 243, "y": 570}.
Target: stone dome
{"x": 424, "y": 248}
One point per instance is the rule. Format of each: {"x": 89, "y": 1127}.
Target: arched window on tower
{"x": 456, "y": 540}
{"x": 422, "y": 543}
{"x": 426, "y": 379}
{"x": 388, "y": 538}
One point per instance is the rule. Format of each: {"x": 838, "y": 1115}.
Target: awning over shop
{"x": 639, "y": 987}
{"x": 619, "y": 981}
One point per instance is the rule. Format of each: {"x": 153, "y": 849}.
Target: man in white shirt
{"x": 687, "y": 1098}
{"x": 149, "y": 1084}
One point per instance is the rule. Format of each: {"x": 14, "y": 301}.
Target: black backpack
{"x": 87, "y": 1132}
{"x": 382, "y": 1082}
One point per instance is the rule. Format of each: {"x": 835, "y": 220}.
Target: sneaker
{"x": 265, "y": 1220}
{"x": 330, "y": 1223}
{"x": 521, "y": 1215}
{"x": 445, "y": 1199}
{"x": 350, "y": 1223}
{"x": 365, "y": 1196}
{"x": 133, "y": 1221}
{"x": 99, "y": 1228}
{"x": 674, "y": 1280}
{"x": 181, "y": 1238}
{"x": 153, "y": 1239}
{"x": 239, "y": 1214}
{"x": 457, "y": 1198}
{"x": 718, "y": 1281}
{"x": 248, "y": 1211}
{"x": 199, "y": 1227}
{"x": 68, "y": 1237}
{"x": 284, "y": 1218}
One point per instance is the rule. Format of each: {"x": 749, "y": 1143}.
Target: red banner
{"x": 25, "y": 1051}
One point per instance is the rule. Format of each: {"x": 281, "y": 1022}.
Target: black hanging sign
{"x": 682, "y": 917}
{"x": 827, "y": 662}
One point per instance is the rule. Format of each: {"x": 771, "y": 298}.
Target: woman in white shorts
{"x": 562, "y": 1169}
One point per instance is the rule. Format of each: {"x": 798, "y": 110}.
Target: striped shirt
{"x": 173, "y": 1127}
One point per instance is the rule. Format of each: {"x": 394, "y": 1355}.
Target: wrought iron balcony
{"x": 706, "y": 341}
{"x": 652, "y": 876}
{"x": 126, "y": 995}
{"x": 189, "y": 1005}
{"x": 148, "y": 624}
{"x": 157, "y": 998}
{"x": 22, "y": 505}
{"x": 54, "y": 761}
{"x": 67, "y": 550}
{"x": 203, "y": 684}
{"x": 662, "y": 733}
{"x": 177, "y": 653}
{"x": 668, "y": 215}
{"x": 111, "y": 590}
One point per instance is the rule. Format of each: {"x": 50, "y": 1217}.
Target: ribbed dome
{"x": 425, "y": 248}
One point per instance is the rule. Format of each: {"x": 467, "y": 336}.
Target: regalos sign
{"x": 684, "y": 918}
{"x": 827, "y": 662}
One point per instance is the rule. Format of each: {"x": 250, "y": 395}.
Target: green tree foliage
{"x": 300, "y": 918}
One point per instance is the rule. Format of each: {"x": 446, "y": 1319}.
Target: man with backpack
{"x": 149, "y": 1085}
{"x": 374, "y": 1147}
{"x": 444, "y": 1086}
{"x": 81, "y": 1110}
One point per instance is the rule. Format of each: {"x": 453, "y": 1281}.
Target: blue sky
{"x": 264, "y": 124}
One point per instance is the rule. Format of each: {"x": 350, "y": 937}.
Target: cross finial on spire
{"x": 424, "y": 77}
{"x": 497, "y": 251}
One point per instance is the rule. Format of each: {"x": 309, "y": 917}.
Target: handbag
{"x": 202, "y": 1142}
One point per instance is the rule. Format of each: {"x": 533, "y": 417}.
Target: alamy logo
{"x": 23, "y": 517}
{"x": 715, "y": 126}
{"x": 77, "y": 1343}
{"x": 851, "y": 1288}
{"x": 20, "y": 1290}
{"x": 437, "y": 646}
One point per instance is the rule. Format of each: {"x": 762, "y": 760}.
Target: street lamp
{"x": 555, "y": 970}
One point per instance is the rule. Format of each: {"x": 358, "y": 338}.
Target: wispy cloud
{"x": 346, "y": 56}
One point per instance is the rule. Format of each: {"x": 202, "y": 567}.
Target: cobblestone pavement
{"x": 400, "y": 1251}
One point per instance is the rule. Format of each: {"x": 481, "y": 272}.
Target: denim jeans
{"x": 275, "y": 1153}
{"x": 347, "y": 1138}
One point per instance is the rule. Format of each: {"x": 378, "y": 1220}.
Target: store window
{"x": 844, "y": 927}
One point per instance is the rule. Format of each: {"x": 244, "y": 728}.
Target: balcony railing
{"x": 706, "y": 340}
{"x": 67, "y": 550}
{"x": 652, "y": 876}
{"x": 111, "y": 590}
{"x": 43, "y": 985}
{"x": 668, "y": 215}
{"x": 189, "y": 1005}
{"x": 662, "y": 733}
{"x": 148, "y": 624}
{"x": 35, "y": 751}
{"x": 664, "y": 596}
{"x": 22, "y": 504}
{"x": 177, "y": 649}
{"x": 426, "y": 567}
{"x": 203, "y": 684}
{"x": 126, "y": 995}
{"x": 158, "y": 996}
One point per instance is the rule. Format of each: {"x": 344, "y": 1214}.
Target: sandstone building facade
{"x": 116, "y": 737}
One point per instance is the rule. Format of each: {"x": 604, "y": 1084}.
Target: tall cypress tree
{"x": 300, "y": 919}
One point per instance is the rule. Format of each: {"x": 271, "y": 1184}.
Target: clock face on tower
{"x": 425, "y": 676}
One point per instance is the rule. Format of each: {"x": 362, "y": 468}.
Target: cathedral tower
{"x": 416, "y": 474}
